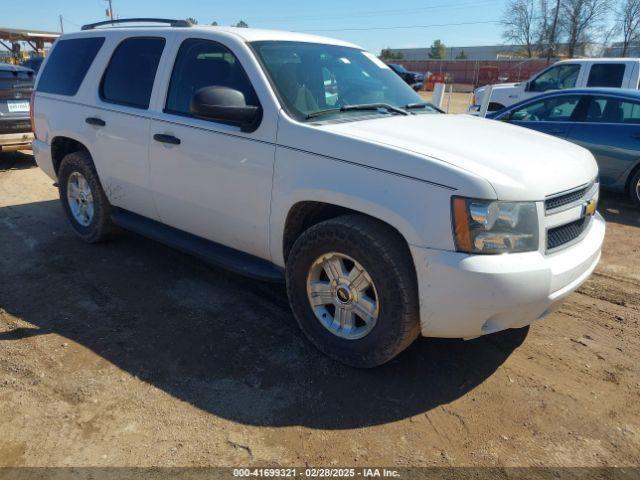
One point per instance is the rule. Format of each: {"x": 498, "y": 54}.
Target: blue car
{"x": 604, "y": 120}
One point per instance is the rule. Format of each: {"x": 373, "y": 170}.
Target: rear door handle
{"x": 636, "y": 136}
{"x": 557, "y": 132}
{"x": 162, "y": 138}
{"x": 98, "y": 122}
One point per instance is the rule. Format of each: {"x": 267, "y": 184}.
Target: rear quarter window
{"x": 606, "y": 75}
{"x": 68, "y": 65}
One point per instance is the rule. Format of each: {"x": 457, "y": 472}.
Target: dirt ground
{"x": 132, "y": 354}
{"x": 455, "y": 102}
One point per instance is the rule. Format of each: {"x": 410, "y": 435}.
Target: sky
{"x": 367, "y": 23}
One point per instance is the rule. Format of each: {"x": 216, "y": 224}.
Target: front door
{"x": 209, "y": 178}
{"x": 553, "y": 115}
{"x": 557, "y": 77}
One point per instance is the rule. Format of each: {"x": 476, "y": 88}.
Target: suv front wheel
{"x": 83, "y": 198}
{"x": 352, "y": 287}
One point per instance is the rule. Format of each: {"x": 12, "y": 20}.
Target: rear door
{"x": 611, "y": 131}
{"x": 609, "y": 74}
{"x": 120, "y": 122}
{"x": 552, "y": 115}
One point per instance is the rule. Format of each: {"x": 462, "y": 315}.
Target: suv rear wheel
{"x": 83, "y": 198}
{"x": 352, "y": 288}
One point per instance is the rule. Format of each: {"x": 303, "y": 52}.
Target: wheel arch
{"x": 304, "y": 214}
{"x": 63, "y": 145}
{"x": 634, "y": 170}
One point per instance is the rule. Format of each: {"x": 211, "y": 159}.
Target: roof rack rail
{"x": 168, "y": 21}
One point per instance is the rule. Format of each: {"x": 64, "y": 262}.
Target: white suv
{"x": 386, "y": 218}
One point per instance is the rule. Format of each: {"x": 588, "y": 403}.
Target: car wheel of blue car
{"x": 634, "y": 188}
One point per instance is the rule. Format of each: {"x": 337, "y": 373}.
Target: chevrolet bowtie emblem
{"x": 590, "y": 207}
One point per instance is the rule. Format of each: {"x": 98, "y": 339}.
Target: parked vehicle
{"x": 579, "y": 73}
{"x": 34, "y": 63}
{"x": 16, "y": 85}
{"x": 604, "y": 120}
{"x": 382, "y": 221}
{"x": 414, "y": 79}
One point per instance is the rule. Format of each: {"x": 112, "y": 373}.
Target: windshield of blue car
{"x": 332, "y": 81}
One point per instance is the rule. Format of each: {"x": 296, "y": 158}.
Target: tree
{"x": 628, "y": 23}
{"x": 461, "y": 55}
{"x": 548, "y": 27}
{"x": 214, "y": 24}
{"x": 388, "y": 54}
{"x": 438, "y": 50}
{"x": 192, "y": 21}
{"x": 580, "y": 18}
{"x": 520, "y": 22}
{"x": 242, "y": 24}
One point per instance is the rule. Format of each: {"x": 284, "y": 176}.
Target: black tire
{"x": 385, "y": 256}
{"x": 101, "y": 227}
{"x": 634, "y": 192}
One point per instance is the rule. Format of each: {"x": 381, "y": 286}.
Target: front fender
{"x": 418, "y": 210}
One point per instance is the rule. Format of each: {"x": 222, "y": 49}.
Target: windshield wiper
{"x": 363, "y": 107}
{"x": 374, "y": 106}
{"x": 415, "y": 106}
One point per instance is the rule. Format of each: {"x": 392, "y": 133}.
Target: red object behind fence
{"x": 474, "y": 72}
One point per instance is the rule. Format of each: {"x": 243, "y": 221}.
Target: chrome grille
{"x": 564, "y": 234}
{"x": 559, "y": 201}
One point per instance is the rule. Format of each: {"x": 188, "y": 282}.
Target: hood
{"x": 497, "y": 86}
{"x": 520, "y": 164}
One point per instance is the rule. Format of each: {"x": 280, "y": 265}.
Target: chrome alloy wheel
{"x": 342, "y": 296}
{"x": 80, "y": 199}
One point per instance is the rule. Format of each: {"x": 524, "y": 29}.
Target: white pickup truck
{"x": 386, "y": 218}
{"x": 584, "y": 73}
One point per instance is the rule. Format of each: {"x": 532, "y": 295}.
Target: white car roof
{"x": 600, "y": 60}
{"x": 246, "y": 34}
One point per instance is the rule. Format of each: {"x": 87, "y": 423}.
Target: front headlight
{"x": 492, "y": 226}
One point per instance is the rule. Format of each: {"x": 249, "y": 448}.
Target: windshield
{"x": 312, "y": 78}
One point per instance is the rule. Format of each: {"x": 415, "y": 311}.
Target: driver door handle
{"x": 170, "y": 139}
{"x": 98, "y": 122}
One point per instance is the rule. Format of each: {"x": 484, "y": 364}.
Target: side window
{"x": 606, "y": 75}
{"x": 556, "y": 78}
{"x": 557, "y": 109}
{"x": 204, "y": 63}
{"x": 613, "y": 110}
{"x": 128, "y": 79}
{"x": 68, "y": 65}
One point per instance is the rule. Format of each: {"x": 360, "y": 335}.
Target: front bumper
{"x": 465, "y": 296}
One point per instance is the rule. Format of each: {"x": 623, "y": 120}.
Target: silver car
{"x": 16, "y": 85}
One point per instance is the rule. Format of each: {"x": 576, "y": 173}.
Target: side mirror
{"x": 518, "y": 116}
{"x": 527, "y": 87}
{"x": 226, "y": 105}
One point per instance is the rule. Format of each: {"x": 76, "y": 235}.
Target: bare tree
{"x": 519, "y": 22}
{"x": 548, "y": 27}
{"x": 580, "y": 19}
{"x": 628, "y": 21}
